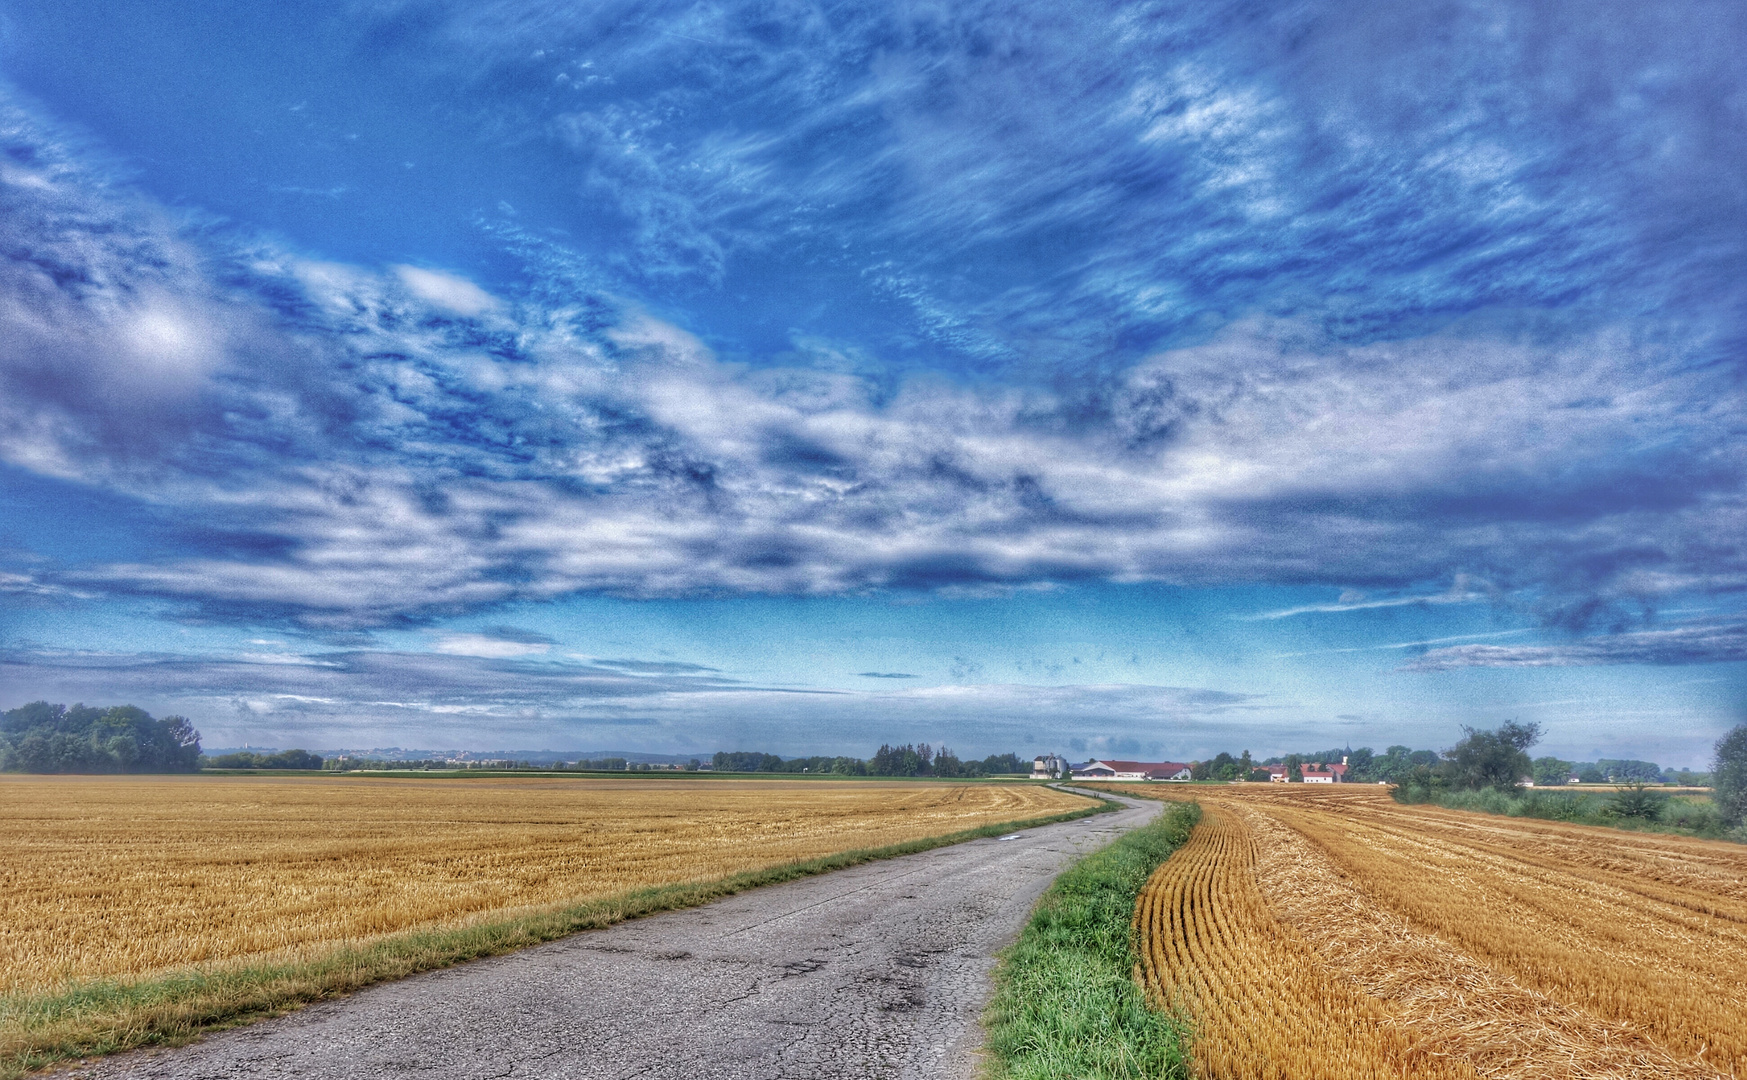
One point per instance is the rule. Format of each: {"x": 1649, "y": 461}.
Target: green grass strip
{"x": 106, "y": 1016}
{"x": 1066, "y": 1003}
{"x": 1678, "y": 815}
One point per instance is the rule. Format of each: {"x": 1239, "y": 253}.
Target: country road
{"x": 880, "y": 970}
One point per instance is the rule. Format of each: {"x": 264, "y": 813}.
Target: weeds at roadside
{"x": 1066, "y": 1004}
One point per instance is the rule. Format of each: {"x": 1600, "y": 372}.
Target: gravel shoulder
{"x": 880, "y": 970}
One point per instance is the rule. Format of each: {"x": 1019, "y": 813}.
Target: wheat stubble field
{"x": 128, "y": 877}
{"x": 1311, "y": 933}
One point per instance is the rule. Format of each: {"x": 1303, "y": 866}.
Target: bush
{"x": 1657, "y": 813}
{"x": 1635, "y": 800}
{"x": 1700, "y": 818}
{"x": 1421, "y": 784}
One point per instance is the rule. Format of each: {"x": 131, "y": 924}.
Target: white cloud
{"x": 447, "y": 291}
{"x": 1344, "y": 604}
{"x": 489, "y": 648}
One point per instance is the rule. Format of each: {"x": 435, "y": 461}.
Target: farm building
{"x": 1313, "y": 772}
{"x": 1131, "y": 770}
{"x": 1048, "y": 767}
{"x": 1319, "y": 773}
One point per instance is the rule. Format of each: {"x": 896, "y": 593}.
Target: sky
{"x": 1145, "y": 379}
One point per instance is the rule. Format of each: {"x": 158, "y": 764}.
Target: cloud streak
{"x": 1712, "y": 642}
{"x": 464, "y": 697}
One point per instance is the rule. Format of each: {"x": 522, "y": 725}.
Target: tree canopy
{"x": 1729, "y": 776}
{"x": 1494, "y": 759}
{"x": 44, "y": 738}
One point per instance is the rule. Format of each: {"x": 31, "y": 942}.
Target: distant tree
{"x": 1294, "y": 768}
{"x": 746, "y": 761}
{"x": 1620, "y": 770}
{"x": 1551, "y": 771}
{"x": 1587, "y": 773}
{"x": 284, "y": 759}
{"x": 1496, "y": 759}
{"x": 1245, "y": 765}
{"x": 906, "y": 760}
{"x": 1260, "y": 776}
{"x": 1729, "y": 776}
{"x": 1359, "y": 765}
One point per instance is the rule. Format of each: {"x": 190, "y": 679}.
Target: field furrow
{"x": 1260, "y": 1001}
{"x": 1581, "y": 939}
{"x": 1516, "y": 948}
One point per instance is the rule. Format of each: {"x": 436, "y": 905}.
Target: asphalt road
{"x": 880, "y": 970}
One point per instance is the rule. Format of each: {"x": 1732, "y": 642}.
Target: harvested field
{"x": 1332, "y": 932}
{"x": 133, "y": 876}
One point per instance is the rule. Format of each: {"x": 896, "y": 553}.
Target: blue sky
{"x": 1145, "y": 378}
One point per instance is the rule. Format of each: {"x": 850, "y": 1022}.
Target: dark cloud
{"x": 519, "y": 636}
{"x": 884, "y": 675}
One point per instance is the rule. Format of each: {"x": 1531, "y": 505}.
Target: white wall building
{"x": 1049, "y": 767}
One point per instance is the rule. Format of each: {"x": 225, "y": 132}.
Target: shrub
{"x": 1637, "y": 801}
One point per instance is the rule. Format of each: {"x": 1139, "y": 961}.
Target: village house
{"x": 1132, "y": 770}
{"x": 1314, "y": 772}
{"x": 1319, "y": 773}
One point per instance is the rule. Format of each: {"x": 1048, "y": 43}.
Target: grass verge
{"x": 1066, "y": 1005}
{"x": 1646, "y": 810}
{"x": 106, "y": 1016}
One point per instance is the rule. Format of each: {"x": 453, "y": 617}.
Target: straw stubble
{"x": 128, "y": 877}
{"x": 1309, "y": 933}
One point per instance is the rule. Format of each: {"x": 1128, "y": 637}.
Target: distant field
{"x": 1330, "y": 932}
{"x": 134, "y": 876}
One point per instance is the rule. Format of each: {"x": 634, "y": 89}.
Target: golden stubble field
{"x": 1330, "y": 932}
{"x": 131, "y": 876}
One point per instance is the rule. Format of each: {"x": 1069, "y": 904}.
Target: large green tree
{"x": 1496, "y": 759}
{"x": 1729, "y": 776}
{"x": 44, "y": 738}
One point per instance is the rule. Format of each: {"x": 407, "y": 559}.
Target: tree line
{"x": 1498, "y": 761}
{"x": 44, "y": 738}
{"x": 282, "y": 759}
{"x": 906, "y": 760}
{"x": 1364, "y": 765}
